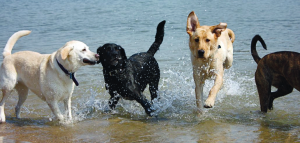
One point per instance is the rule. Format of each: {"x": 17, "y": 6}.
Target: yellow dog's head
{"x": 203, "y": 39}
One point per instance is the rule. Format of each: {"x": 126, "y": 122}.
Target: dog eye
{"x": 83, "y": 49}
{"x": 197, "y": 40}
{"x": 207, "y": 40}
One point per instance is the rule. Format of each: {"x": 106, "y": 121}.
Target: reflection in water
{"x": 7, "y": 140}
{"x": 270, "y": 131}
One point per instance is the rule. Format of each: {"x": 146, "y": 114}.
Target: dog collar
{"x": 70, "y": 74}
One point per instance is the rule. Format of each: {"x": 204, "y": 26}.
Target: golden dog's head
{"x": 203, "y": 39}
{"x": 75, "y": 54}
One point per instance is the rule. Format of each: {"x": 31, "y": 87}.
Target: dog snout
{"x": 97, "y": 56}
{"x": 201, "y": 53}
{"x": 114, "y": 53}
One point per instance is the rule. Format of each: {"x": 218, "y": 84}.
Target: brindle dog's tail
{"x": 158, "y": 38}
{"x": 253, "y": 47}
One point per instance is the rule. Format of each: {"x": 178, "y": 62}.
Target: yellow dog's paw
{"x": 209, "y": 103}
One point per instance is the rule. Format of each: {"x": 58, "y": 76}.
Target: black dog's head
{"x": 111, "y": 55}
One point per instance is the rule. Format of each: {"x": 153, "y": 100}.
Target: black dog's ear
{"x": 99, "y": 53}
{"x": 123, "y": 54}
{"x": 99, "y": 50}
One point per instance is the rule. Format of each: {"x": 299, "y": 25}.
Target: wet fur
{"x": 211, "y": 52}
{"x": 129, "y": 77}
{"x": 279, "y": 69}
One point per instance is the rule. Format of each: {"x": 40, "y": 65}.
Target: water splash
{"x": 176, "y": 98}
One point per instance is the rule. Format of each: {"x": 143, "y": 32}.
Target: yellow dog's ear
{"x": 65, "y": 52}
{"x": 192, "y": 23}
{"x": 218, "y": 29}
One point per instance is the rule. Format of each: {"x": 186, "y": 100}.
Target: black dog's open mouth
{"x": 89, "y": 62}
{"x": 115, "y": 61}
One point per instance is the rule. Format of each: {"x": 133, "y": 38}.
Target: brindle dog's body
{"x": 279, "y": 69}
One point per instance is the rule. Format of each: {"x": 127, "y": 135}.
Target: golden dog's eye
{"x": 207, "y": 40}
{"x": 197, "y": 40}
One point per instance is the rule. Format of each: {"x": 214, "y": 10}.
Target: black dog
{"x": 129, "y": 77}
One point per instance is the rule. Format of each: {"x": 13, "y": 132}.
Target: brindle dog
{"x": 279, "y": 69}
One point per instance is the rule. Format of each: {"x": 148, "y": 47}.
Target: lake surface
{"x": 132, "y": 24}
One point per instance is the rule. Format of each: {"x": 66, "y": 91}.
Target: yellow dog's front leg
{"x": 210, "y": 101}
{"x": 199, "y": 79}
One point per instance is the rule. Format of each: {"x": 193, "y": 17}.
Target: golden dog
{"x": 50, "y": 76}
{"x": 211, "y": 52}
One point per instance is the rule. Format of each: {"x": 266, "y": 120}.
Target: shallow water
{"x": 132, "y": 24}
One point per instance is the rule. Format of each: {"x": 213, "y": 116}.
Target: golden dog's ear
{"x": 65, "y": 52}
{"x": 192, "y": 23}
{"x": 218, "y": 29}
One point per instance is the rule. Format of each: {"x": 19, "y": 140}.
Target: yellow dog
{"x": 211, "y": 52}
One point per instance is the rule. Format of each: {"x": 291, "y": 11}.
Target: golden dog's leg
{"x": 68, "y": 110}
{"x": 55, "y": 109}
{"x": 2, "y": 114}
{"x": 23, "y": 93}
{"x": 6, "y": 94}
{"x": 210, "y": 101}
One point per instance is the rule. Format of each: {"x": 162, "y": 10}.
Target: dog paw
{"x": 59, "y": 118}
{"x": 18, "y": 116}
{"x": 2, "y": 118}
{"x": 150, "y": 112}
{"x": 107, "y": 109}
{"x": 209, "y": 103}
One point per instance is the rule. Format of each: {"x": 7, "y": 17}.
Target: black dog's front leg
{"x": 113, "y": 101}
{"x": 145, "y": 104}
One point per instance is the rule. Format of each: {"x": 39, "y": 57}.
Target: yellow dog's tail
{"x": 253, "y": 47}
{"x": 12, "y": 40}
{"x": 231, "y": 35}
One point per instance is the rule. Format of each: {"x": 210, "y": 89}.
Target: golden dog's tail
{"x": 159, "y": 37}
{"x": 12, "y": 40}
{"x": 253, "y": 47}
{"x": 231, "y": 35}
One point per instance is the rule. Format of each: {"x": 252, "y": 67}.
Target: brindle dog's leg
{"x": 283, "y": 88}
{"x": 263, "y": 79}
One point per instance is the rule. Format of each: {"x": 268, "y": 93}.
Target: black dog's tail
{"x": 253, "y": 47}
{"x": 159, "y": 37}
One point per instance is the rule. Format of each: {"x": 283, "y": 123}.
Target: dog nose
{"x": 201, "y": 53}
{"x": 97, "y": 56}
